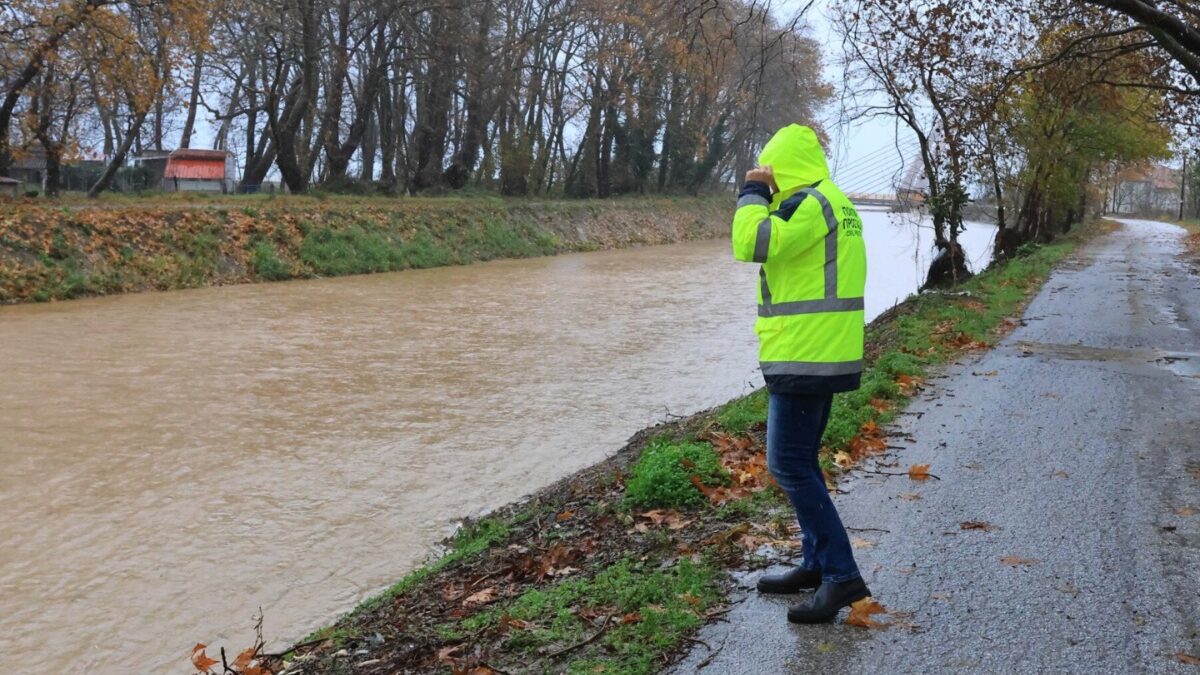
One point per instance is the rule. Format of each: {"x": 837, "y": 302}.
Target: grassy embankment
{"x": 1193, "y": 228}
{"x": 67, "y": 251}
{"x": 1192, "y": 239}
{"x": 611, "y": 570}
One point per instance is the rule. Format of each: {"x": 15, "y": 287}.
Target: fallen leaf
{"x": 908, "y": 384}
{"x": 977, "y": 525}
{"x": 859, "y": 542}
{"x": 243, "y": 659}
{"x": 446, "y": 654}
{"x": 669, "y": 517}
{"x": 632, "y": 617}
{"x": 507, "y": 621}
{"x": 1016, "y": 560}
{"x": 909, "y": 496}
{"x": 200, "y": 660}
{"x": 919, "y": 472}
{"x": 861, "y": 611}
{"x": 990, "y": 373}
{"x": 481, "y": 598}
{"x": 1060, "y": 474}
{"x": 565, "y": 515}
{"x": 843, "y": 459}
{"x": 591, "y": 614}
{"x": 1186, "y": 511}
{"x": 1188, "y": 659}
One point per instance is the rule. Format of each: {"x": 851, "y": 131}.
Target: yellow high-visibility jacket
{"x": 808, "y": 238}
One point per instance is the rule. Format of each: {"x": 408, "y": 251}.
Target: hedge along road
{"x": 174, "y": 461}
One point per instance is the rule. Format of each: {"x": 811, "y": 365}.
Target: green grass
{"x": 1192, "y": 225}
{"x": 741, "y": 415}
{"x": 662, "y": 476}
{"x": 350, "y": 250}
{"x": 355, "y": 249}
{"x": 264, "y": 257}
{"x": 662, "y": 603}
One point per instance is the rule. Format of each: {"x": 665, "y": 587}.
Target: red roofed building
{"x": 188, "y": 170}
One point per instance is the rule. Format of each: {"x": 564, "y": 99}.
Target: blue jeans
{"x": 795, "y": 425}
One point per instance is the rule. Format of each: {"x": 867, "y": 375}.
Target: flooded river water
{"x": 174, "y": 461}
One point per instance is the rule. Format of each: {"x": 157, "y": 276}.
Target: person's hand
{"x": 763, "y": 174}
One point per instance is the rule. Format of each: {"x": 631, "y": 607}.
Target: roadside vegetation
{"x": 1192, "y": 240}
{"x": 611, "y": 570}
{"x": 58, "y": 253}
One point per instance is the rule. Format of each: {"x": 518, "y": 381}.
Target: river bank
{"x": 614, "y": 568}
{"x": 63, "y": 252}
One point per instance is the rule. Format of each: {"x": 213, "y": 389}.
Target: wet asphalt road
{"x": 1081, "y": 451}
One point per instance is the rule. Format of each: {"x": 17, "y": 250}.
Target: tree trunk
{"x": 369, "y": 143}
{"x": 433, "y": 103}
{"x": 114, "y": 164}
{"x": 185, "y": 139}
{"x": 53, "y": 181}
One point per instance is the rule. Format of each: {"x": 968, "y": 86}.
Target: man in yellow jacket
{"x": 807, "y": 235}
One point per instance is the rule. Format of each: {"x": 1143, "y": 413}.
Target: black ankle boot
{"x": 828, "y": 600}
{"x": 791, "y": 581}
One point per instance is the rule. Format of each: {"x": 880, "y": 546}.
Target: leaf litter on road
{"x": 1017, "y": 561}
{"x": 919, "y": 472}
{"x": 861, "y": 612}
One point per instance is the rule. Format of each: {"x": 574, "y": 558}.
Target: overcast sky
{"x": 859, "y": 154}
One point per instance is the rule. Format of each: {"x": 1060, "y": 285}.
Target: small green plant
{"x": 264, "y": 258}
{"x": 662, "y": 476}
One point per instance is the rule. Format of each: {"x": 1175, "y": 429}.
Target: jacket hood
{"x": 797, "y": 158}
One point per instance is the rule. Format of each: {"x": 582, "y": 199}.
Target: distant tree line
{"x": 588, "y": 98}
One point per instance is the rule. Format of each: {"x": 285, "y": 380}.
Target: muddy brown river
{"x": 174, "y": 461}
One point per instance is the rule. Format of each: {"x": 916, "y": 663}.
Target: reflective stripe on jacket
{"x": 808, "y": 238}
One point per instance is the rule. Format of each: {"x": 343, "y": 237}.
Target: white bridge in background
{"x": 888, "y": 199}
{"x": 876, "y": 179}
